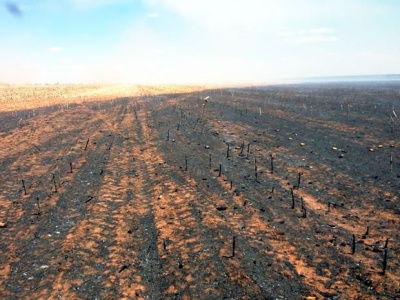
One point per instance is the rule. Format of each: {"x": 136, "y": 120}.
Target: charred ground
{"x": 278, "y": 192}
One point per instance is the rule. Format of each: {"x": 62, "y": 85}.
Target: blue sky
{"x": 196, "y": 41}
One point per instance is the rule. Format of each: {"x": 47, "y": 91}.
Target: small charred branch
{"x": 37, "y": 148}
{"x": 299, "y": 179}
{"x": 220, "y": 170}
{"x": 292, "y": 193}
{"x": 384, "y": 262}
{"x": 227, "y": 150}
{"x": 272, "y": 163}
{"x": 353, "y": 244}
{"x": 87, "y": 143}
{"x": 54, "y": 183}
{"x": 24, "y": 187}
{"x": 90, "y": 198}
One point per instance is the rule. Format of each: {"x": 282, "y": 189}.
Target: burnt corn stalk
{"x": 386, "y": 243}
{"x": 87, "y": 143}
{"x": 23, "y": 185}
{"x": 292, "y": 193}
{"x": 299, "y": 179}
{"x": 272, "y": 163}
{"x": 384, "y": 263}
{"x": 165, "y": 244}
{"x": 353, "y": 244}
{"x": 233, "y": 246}
{"x": 241, "y": 149}
{"x": 304, "y": 212}
{"x": 367, "y": 231}
{"x": 38, "y": 207}
{"x": 54, "y": 182}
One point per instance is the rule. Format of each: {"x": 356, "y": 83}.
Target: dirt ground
{"x": 279, "y": 192}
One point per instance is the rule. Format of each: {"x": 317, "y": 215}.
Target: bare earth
{"x": 127, "y": 192}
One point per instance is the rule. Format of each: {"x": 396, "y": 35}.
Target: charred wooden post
{"x": 231, "y": 185}
{"x": 220, "y": 170}
{"x": 227, "y": 150}
{"x": 70, "y": 166}
{"x": 186, "y": 163}
{"x": 248, "y": 149}
{"x": 329, "y": 206}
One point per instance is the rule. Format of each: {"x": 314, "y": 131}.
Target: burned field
{"x": 281, "y": 192}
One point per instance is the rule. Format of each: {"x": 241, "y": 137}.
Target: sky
{"x": 196, "y": 41}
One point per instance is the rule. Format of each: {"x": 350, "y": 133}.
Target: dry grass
{"x": 18, "y": 97}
